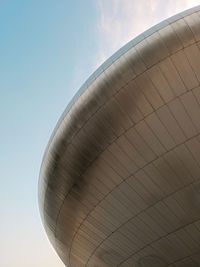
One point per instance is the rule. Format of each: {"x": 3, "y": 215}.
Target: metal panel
{"x": 140, "y": 145}
{"x": 157, "y": 177}
{"x": 134, "y": 156}
{"x": 188, "y": 160}
{"x": 147, "y": 134}
{"x": 173, "y": 78}
{"x": 171, "y": 124}
{"x": 139, "y": 98}
{"x": 170, "y": 39}
{"x": 126, "y": 154}
{"x": 152, "y": 49}
{"x": 178, "y": 167}
{"x": 192, "y": 53}
{"x": 135, "y": 60}
{"x": 151, "y": 94}
{"x": 128, "y": 104}
{"x": 185, "y": 71}
{"x": 182, "y": 118}
{"x": 143, "y": 191}
{"x": 184, "y": 32}
{"x": 192, "y": 108}
{"x": 186, "y": 263}
{"x": 133, "y": 196}
{"x": 149, "y": 185}
{"x": 160, "y": 131}
{"x": 160, "y": 84}
{"x": 194, "y": 146}
{"x": 153, "y": 224}
{"x": 168, "y": 174}
{"x": 124, "y": 68}
{"x": 194, "y": 23}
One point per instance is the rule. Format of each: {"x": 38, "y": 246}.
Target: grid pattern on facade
{"x": 120, "y": 182}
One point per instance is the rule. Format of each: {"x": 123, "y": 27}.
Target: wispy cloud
{"x": 122, "y": 20}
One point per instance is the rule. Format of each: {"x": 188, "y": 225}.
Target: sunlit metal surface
{"x": 120, "y": 179}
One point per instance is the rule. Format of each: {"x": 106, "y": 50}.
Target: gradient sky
{"x": 48, "y": 48}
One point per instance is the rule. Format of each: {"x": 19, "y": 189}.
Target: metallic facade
{"x": 120, "y": 179}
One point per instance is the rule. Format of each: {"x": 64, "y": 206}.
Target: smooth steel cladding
{"x": 120, "y": 179}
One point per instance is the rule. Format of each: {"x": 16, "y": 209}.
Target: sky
{"x": 48, "y": 49}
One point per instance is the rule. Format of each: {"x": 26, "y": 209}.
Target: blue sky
{"x": 48, "y": 49}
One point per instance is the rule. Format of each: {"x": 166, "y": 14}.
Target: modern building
{"x": 120, "y": 179}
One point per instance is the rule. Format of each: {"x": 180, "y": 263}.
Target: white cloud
{"x": 122, "y": 20}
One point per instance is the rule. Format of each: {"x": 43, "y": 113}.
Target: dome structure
{"x": 120, "y": 179}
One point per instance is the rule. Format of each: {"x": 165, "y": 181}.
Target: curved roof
{"x": 119, "y": 183}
